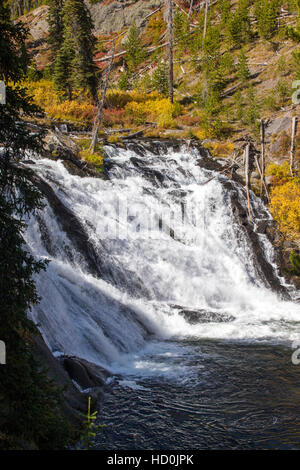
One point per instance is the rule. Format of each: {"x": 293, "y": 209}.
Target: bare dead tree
{"x": 247, "y": 179}
{"x": 191, "y": 7}
{"x": 171, "y": 40}
{"x": 263, "y": 156}
{"x": 205, "y": 19}
{"x": 98, "y": 118}
{"x": 292, "y": 152}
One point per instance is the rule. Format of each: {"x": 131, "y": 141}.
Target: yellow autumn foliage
{"x": 279, "y": 174}
{"x": 160, "y": 110}
{"x": 43, "y": 93}
{"x": 51, "y": 101}
{"x": 285, "y": 207}
{"x": 119, "y": 98}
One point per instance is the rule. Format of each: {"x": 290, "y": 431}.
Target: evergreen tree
{"x": 77, "y": 50}
{"x": 252, "y": 113}
{"x": 267, "y": 13}
{"x": 63, "y": 67}
{"x": 160, "y": 79}
{"x": 28, "y": 400}
{"x": 239, "y": 106}
{"x": 239, "y": 28}
{"x": 243, "y": 69}
{"x": 56, "y": 26}
{"x": 124, "y": 81}
{"x": 135, "y": 53}
{"x": 225, "y": 11}
{"x": 181, "y": 30}
{"x": 291, "y": 32}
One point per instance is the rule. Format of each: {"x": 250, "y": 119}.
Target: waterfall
{"x": 150, "y": 256}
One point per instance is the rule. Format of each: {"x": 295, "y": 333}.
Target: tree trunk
{"x": 263, "y": 157}
{"x": 191, "y": 8}
{"x": 98, "y": 118}
{"x": 247, "y": 179}
{"x": 292, "y": 153}
{"x": 205, "y": 20}
{"x": 171, "y": 73}
{"x": 69, "y": 91}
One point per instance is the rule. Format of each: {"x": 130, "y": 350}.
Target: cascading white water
{"x": 166, "y": 245}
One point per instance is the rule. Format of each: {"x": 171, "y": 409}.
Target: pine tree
{"x": 267, "y": 13}
{"x": 225, "y": 10}
{"x": 28, "y": 400}
{"x": 239, "y": 28}
{"x": 56, "y": 26}
{"x": 135, "y": 53}
{"x": 239, "y": 105}
{"x": 181, "y": 30}
{"x": 243, "y": 69}
{"x": 291, "y": 32}
{"x": 160, "y": 79}
{"x": 76, "y": 51}
{"x": 252, "y": 113}
{"x": 124, "y": 81}
{"x": 63, "y": 67}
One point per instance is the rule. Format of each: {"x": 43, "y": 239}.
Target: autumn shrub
{"x": 72, "y": 111}
{"x": 114, "y": 116}
{"x": 161, "y": 111}
{"x": 285, "y": 207}
{"x": 120, "y": 98}
{"x": 187, "y": 120}
{"x": 155, "y": 27}
{"x": 43, "y": 93}
{"x": 279, "y": 174}
{"x": 51, "y": 101}
{"x": 221, "y": 149}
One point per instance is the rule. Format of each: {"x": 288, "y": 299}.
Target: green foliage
{"x": 90, "y": 429}
{"x": 181, "y": 30}
{"x": 56, "y": 26}
{"x": 135, "y": 52}
{"x": 291, "y": 32}
{"x": 243, "y": 69}
{"x": 225, "y": 11}
{"x": 160, "y": 80}
{"x": 267, "y": 13}
{"x": 73, "y": 65}
{"x": 239, "y": 104}
{"x": 282, "y": 65}
{"x": 29, "y": 402}
{"x": 295, "y": 262}
{"x": 239, "y": 26}
{"x": 252, "y": 111}
{"x": 63, "y": 70}
{"x": 33, "y": 74}
{"x": 124, "y": 83}
{"x": 296, "y": 61}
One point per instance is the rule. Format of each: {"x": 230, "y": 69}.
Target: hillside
{"x": 223, "y": 87}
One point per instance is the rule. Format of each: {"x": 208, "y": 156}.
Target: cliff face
{"x": 107, "y": 17}
{"x": 114, "y": 16}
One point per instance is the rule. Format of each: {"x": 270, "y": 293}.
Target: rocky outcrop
{"x": 72, "y": 375}
{"x": 75, "y": 402}
{"x": 114, "y": 16}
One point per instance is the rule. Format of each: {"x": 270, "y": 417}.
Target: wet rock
{"x": 84, "y": 373}
{"x": 75, "y": 403}
{"x": 71, "y": 226}
{"x": 195, "y": 316}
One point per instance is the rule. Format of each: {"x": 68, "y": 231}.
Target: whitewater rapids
{"x": 167, "y": 247}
